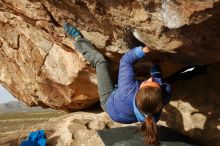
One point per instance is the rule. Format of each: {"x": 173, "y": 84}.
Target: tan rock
{"x": 39, "y": 64}
{"x": 34, "y": 10}
{"x": 61, "y": 66}
{"x": 178, "y": 13}
{"x": 34, "y": 58}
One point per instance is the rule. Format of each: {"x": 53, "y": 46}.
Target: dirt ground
{"x": 12, "y": 122}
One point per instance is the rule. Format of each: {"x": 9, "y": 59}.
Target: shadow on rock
{"x": 193, "y": 109}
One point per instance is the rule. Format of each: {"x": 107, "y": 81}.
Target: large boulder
{"x": 40, "y": 66}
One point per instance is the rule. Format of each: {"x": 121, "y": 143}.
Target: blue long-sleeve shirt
{"x": 120, "y": 103}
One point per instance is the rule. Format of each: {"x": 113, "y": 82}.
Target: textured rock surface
{"x": 39, "y": 64}
{"x": 194, "y": 107}
{"x": 71, "y": 130}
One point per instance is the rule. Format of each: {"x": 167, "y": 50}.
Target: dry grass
{"x": 19, "y": 121}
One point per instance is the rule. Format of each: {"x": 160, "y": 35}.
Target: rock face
{"x": 194, "y": 107}
{"x": 39, "y": 64}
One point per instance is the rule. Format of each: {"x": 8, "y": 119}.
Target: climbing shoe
{"x": 72, "y": 31}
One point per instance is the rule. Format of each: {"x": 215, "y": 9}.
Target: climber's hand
{"x": 146, "y": 49}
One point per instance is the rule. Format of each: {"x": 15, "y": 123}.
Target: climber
{"x": 133, "y": 100}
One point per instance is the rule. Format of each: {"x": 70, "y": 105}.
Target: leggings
{"x": 97, "y": 60}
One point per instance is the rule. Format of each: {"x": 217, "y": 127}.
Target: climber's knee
{"x": 98, "y": 60}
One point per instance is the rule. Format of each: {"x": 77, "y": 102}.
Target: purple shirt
{"x": 120, "y": 103}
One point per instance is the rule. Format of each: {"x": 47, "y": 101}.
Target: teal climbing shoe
{"x": 72, "y": 31}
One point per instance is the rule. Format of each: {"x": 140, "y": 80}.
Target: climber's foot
{"x": 72, "y": 31}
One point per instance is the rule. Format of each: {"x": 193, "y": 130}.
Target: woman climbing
{"x": 133, "y": 100}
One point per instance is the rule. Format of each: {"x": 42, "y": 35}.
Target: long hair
{"x": 149, "y": 101}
